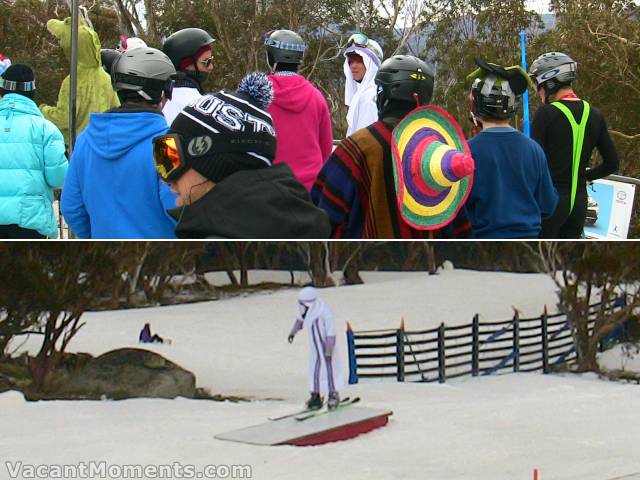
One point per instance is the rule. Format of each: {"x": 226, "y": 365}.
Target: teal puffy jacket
{"x": 32, "y": 164}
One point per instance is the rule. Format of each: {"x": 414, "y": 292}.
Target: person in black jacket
{"x": 217, "y": 156}
{"x": 568, "y": 129}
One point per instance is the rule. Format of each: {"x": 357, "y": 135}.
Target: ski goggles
{"x": 271, "y": 42}
{"x": 359, "y": 40}
{"x": 168, "y": 157}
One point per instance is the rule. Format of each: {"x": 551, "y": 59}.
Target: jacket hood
{"x": 291, "y": 92}
{"x": 372, "y": 65}
{"x": 263, "y": 203}
{"x": 16, "y": 103}
{"x": 88, "y": 41}
{"x": 113, "y": 134}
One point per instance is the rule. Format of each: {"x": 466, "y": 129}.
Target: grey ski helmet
{"x": 403, "y": 78}
{"x": 144, "y": 70}
{"x": 553, "y": 71}
{"x": 285, "y": 46}
{"x": 185, "y": 43}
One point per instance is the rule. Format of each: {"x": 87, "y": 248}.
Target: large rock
{"x": 129, "y": 373}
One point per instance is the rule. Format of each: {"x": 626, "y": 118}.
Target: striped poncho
{"x": 356, "y": 188}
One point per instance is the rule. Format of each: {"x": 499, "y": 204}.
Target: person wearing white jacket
{"x": 325, "y": 373}
{"x": 363, "y": 57}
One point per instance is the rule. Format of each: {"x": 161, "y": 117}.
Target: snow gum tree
{"x": 585, "y": 272}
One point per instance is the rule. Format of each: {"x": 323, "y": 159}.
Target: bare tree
{"x": 587, "y": 271}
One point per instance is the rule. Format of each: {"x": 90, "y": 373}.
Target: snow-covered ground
{"x": 491, "y": 428}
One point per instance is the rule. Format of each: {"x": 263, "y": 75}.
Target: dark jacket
{"x": 262, "y": 203}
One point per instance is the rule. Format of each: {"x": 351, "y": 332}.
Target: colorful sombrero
{"x": 432, "y": 167}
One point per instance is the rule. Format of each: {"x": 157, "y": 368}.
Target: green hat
{"x": 516, "y": 77}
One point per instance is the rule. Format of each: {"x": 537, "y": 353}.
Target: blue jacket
{"x": 512, "y": 188}
{"x": 32, "y": 164}
{"x": 112, "y": 189}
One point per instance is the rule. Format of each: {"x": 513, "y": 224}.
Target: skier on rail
{"x": 324, "y": 363}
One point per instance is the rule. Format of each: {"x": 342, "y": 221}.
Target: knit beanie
{"x": 226, "y": 132}
{"x": 18, "y": 78}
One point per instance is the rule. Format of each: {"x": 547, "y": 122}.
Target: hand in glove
{"x": 290, "y": 338}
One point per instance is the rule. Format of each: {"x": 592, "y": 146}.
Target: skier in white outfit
{"x": 324, "y": 362}
{"x": 363, "y": 57}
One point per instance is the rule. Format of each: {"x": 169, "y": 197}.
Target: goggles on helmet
{"x": 359, "y": 40}
{"x": 272, "y": 42}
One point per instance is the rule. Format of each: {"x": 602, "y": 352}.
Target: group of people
{"x": 158, "y": 157}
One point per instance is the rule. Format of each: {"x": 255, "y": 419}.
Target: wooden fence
{"x": 477, "y": 348}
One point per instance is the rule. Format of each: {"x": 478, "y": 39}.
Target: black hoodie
{"x": 262, "y": 203}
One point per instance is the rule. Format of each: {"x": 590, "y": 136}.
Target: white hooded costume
{"x": 360, "y": 97}
{"x": 325, "y": 372}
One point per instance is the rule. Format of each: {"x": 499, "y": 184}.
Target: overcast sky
{"x": 540, "y": 6}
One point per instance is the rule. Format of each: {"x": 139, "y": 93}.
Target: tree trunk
{"x": 241, "y": 249}
{"x": 351, "y": 270}
{"x": 432, "y": 263}
{"x": 319, "y": 265}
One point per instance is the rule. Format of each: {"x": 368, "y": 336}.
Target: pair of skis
{"x": 311, "y": 413}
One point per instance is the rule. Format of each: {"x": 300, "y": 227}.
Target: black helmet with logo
{"x": 403, "y": 79}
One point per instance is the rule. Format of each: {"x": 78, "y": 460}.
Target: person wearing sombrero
{"x": 512, "y": 189}
{"x": 406, "y": 175}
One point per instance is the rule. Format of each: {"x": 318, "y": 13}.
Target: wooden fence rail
{"x": 476, "y": 349}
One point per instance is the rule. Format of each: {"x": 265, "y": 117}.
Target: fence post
{"x": 516, "y": 340}
{"x": 400, "y": 352}
{"x": 545, "y": 342}
{"x": 353, "y": 361}
{"x": 441, "y": 354}
{"x": 475, "y": 345}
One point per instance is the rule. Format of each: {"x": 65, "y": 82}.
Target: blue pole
{"x": 353, "y": 362}
{"x": 525, "y": 97}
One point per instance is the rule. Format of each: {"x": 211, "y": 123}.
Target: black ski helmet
{"x": 285, "y": 46}
{"x": 108, "y": 55}
{"x": 403, "y": 79}
{"x": 185, "y": 43}
{"x": 552, "y": 71}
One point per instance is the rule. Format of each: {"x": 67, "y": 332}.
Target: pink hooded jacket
{"x": 303, "y": 127}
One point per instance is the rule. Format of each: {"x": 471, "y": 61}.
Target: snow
{"x": 624, "y": 357}
{"x": 493, "y": 428}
